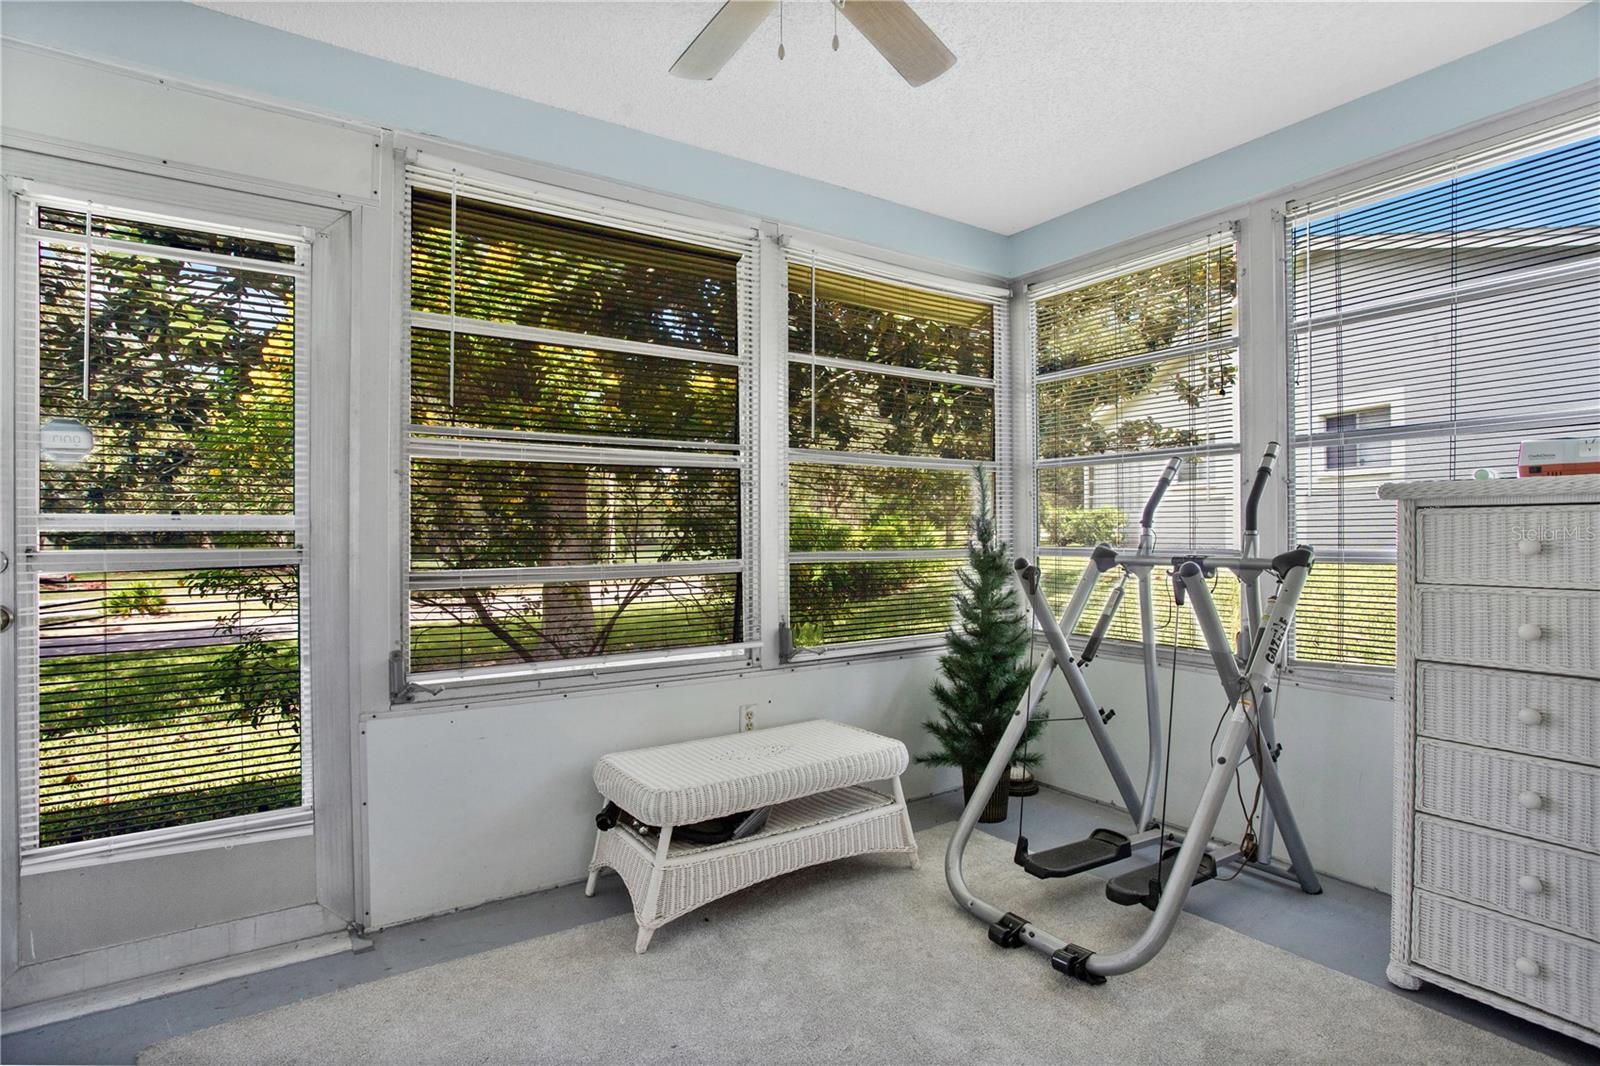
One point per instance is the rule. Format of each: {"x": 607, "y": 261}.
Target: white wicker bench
{"x": 811, "y": 773}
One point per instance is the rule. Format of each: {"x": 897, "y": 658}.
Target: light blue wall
{"x": 203, "y": 45}
{"x": 198, "y": 44}
{"x": 1555, "y": 58}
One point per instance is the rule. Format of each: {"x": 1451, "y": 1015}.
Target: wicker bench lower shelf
{"x": 669, "y": 882}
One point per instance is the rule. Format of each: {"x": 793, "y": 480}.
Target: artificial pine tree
{"x": 986, "y": 670}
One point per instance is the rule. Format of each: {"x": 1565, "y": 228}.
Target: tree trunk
{"x": 567, "y": 612}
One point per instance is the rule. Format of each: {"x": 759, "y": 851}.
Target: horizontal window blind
{"x": 1135, "y": 363}
{"x": 166, "y": 698}
{"x": 160, "y": 659}
{"x": 892, "y": 398}
{"x": 579, "y": 454}
{"x": 1438, "y": 317}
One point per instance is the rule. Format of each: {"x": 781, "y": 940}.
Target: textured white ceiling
{"x": 1050, "y": 106}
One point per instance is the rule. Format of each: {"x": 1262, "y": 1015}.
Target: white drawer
{"x": 1542, "y": 968}
{"x": 1552, "y": 546}
{"x": 1556, "y": 632}
{"x": 1550, "y": 886}
{"x": 1535, "y": 714}
{"x": 1548, "y": 801}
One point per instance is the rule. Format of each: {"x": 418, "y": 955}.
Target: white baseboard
{"x": 113, "y": 976}
{"x": 121, "y": 994}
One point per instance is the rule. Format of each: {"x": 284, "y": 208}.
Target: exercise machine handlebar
{"x": 1168, "y": 475}
{"x": 1269, "y": 459}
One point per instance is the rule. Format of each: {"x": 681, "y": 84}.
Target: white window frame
{"x": 808, "y": 254}
{"x": 72, "y": 185}
{"x": 446, "y": 172}
{"x": 1404, "y": 168}
{"x": 1102, "y": 265}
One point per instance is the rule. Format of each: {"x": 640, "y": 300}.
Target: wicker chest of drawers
{"x": 1497, "y": 760}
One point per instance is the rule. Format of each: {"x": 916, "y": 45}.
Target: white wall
{"x": 1337, "y": 762}
{"x": 480, "y": 803}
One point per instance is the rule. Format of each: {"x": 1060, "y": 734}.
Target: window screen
{"x": 1135, "y": 364}
{"x": 579, "y": 460}
{"x": 892, "y": 409}
{"x": 160, "y": 662}
{"x": 1438, "y": 318}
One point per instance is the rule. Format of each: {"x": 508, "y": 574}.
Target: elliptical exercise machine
{"x": 1248, "y": 676}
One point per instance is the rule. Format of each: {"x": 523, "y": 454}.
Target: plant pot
{"x": 998, "y": 803}
{"x": 1022, "y": 781}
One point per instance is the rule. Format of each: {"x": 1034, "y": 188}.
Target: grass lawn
{"x": 142, "y": 739}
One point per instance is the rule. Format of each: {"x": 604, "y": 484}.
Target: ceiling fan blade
{"x": 899, "y": 33}
{"x": 727, "y": 31}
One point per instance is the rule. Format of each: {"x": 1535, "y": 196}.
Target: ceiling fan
{"x": 890, "y": 26}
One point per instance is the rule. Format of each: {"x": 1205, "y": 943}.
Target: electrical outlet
{"x": 747, "y": 718}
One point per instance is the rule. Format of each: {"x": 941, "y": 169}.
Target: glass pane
{"x": 859, "y": 411}
{"x": 1148, "y": 310}
{"x": 166, "y": 235}
{"x": 540, "y": 270}
{"x": 1347, "y": 614}
{"x": 835, "y": 603}
{"x": 473, "y": 514}
{"x": 1184, "y": 401}
{"x": 188, "y": 387}
{"x": 516, "y": 385}
{"x": 1536, "y": 211}
{"x": 457, "y": 629}
{"x": 1081, "y": 506}
{"x": 166, "y": 698}
{"x": 1525, "y": 353}
{"x": 878, "y": 322}
{"x": 846, "y": 508}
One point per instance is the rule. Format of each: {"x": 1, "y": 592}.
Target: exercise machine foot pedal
{"x": 1007, "y": 932}
{"x": 1099, "y": 848}
{"x": 1073, "y": 960}
{"x": 1140, "y": 886}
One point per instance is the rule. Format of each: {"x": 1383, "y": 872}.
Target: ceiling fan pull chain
{"x": 780, "y": 31}
{"x": 835, "y": 25}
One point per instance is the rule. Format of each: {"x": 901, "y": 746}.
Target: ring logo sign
{"x": 65, "y": 440}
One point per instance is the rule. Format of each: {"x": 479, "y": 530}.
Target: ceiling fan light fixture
{"x": 890, "y": 26}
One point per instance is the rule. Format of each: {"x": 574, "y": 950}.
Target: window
{"x": 892, "y": 409}
{"x": 160, "y": 513}
{"x": 1135, "y": 364}
{"x": 579, "y": 453}
{"x": 1356, "y": 455}
{"x": 1438, "y": 317}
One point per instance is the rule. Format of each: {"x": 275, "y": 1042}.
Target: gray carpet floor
{"x": 858, "y": 961}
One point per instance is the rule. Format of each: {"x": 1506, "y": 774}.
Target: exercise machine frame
{"x": 1248, "y": 677}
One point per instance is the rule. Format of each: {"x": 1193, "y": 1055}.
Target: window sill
{"x": 222, "y": 833}
{"x": 866, "y": 650}
{"x": 580, "y": 681}
{"x": 1371, "y": 682}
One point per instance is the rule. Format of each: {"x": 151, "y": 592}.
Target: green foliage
{"x": 258, "y": 677}
{"x": 845, "y": 410}
{"x": 986, "y": 668}
{"x": 190, "y": 385}
{"x": 136, "y": 597}
{"x": 1079, "y": 526}
{"x": 1133, "y": 314}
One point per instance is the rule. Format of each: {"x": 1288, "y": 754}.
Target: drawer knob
{"x": 1530, "y": 716}
{"x": 1530, "y": 884}
{"x": 1531, "y": 800}
{"x": 1529, "y": 546}
{"x": 1530, "y": 631}
{"x": 1527, "y": 967}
